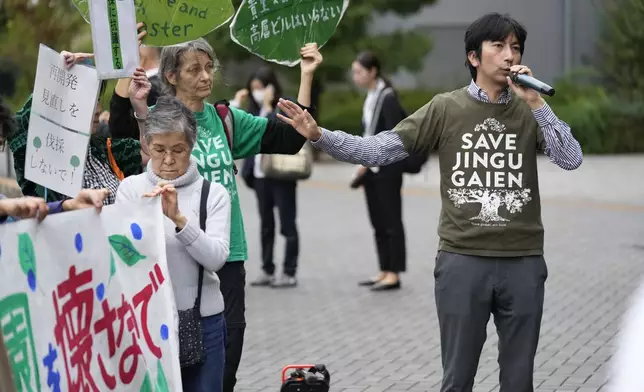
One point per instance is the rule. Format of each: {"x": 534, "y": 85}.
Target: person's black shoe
{"x": 386, "y": 286}
{"x": 370, "y": 282}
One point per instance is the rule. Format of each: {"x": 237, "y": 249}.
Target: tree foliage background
{"x": 24, "y": 24}
{"x": 351, "y": 37}
{"x": 606, "y": 116}
{"x": 622, "y": 48}
{"x": 606, "y": 110}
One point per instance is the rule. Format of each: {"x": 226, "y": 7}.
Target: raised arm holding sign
{"x": 60, "y": 123}
{"x": 52, "y": 157}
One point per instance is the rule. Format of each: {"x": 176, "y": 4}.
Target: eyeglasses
{"x": 175, "y": 152}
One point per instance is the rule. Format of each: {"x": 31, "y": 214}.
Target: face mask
{"x": 258, "y": 96}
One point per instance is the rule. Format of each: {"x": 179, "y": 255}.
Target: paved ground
{"x": 594, "y": 220}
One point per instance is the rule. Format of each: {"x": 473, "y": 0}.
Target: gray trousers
{"x": 467, "y": 290}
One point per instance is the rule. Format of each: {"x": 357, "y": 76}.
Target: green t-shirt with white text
{"x": 215, "y": 161}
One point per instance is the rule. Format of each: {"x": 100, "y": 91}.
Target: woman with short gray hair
{"x": 194, "y": 253}
{"x": 187, "y": 71}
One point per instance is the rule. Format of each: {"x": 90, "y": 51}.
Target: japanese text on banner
{"x": 85, "y": 303}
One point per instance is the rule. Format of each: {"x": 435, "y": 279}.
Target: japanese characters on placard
{"x": 62, "y": 114}
{"x": 114, "y": 34}
{"x": 89, "y": 310}
{"x": 276, "y": 29}
{"x": 170, "y": 22}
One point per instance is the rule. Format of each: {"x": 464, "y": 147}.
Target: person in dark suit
{"x": 382, "y": 185}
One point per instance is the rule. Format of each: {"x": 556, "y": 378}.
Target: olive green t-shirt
{"x": 215, "y": 161}
{"x": 488, "y": 164}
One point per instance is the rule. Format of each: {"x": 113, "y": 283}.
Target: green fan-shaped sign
{"x": 170, "y": 22}
{"x": 276, "y": 30}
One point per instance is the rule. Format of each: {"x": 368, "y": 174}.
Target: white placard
{"x": 86, "y": 301}
{"x": 116, "y": 47}
{"x": 62, "y": 112}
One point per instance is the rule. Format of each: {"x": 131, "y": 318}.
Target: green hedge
{"x": 342, "y": 109}
{"x": 603, "y": 124}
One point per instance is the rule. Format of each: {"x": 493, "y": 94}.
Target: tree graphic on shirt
{"x": 491, "y": 200}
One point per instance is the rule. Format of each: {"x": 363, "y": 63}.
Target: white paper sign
{"x": 86, "y": 302}
{"x": 60, "y": 124}
{"x": 116, "y": 46}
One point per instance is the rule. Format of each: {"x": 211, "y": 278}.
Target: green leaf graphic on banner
{"x": 26, "y": 254}
{"x": 170, "y": 22}
{"x": 162, "y": 382}
{"x": 147, "y": 384}
{"x": 276, "y": 30}
{"x": 112, "y": 266}
{"x": 125, "y": 249}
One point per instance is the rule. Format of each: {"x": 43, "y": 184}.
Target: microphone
{"x": 535, "y": 84}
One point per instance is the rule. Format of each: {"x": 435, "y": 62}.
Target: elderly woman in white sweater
{"x": 170, "y": 132}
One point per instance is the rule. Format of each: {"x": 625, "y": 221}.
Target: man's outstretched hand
{"x": 299, "y": 119}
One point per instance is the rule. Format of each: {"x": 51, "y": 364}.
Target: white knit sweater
{"x": 191, "y": 246}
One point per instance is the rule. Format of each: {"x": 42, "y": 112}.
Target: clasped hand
{"x": 169, "y": 202}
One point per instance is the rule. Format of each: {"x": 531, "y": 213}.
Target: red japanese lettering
{"x": 73, "y": 328}
{"x": 143, "y": 297}
{"x": 105, "y": 324}
{"x": 127, "y": 319}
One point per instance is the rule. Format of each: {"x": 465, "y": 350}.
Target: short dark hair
{"x": 491, "y": 27}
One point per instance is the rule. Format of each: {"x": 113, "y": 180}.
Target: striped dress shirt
{"x": 387, "y": 147}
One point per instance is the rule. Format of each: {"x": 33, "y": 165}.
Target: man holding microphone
{"x": 490, "y": 260}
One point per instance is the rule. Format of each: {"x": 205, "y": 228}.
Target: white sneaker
{"x": 284, "y": 281}
{"x": 264, "y": 280}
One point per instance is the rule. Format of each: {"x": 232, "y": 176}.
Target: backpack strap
{"x": 203, "y": 215}
{"x": 113, "y": 165}
{"x": 226, "y": 117}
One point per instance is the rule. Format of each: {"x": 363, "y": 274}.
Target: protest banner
{"x": 60, "y": 124}
{"x": 170, "y": 22}
{"x": 114, "y": 35}
{"x": 276, "y": 30}
{"x": 86, "y": 302}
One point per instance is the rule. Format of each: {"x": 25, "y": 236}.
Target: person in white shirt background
{"x": 260, "y": 98}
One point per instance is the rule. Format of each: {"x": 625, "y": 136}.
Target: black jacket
{"x": 391, "y": 113}
{"x": 279, "y": 138}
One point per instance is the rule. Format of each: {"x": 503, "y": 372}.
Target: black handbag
{"x": 191, "y": 348}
